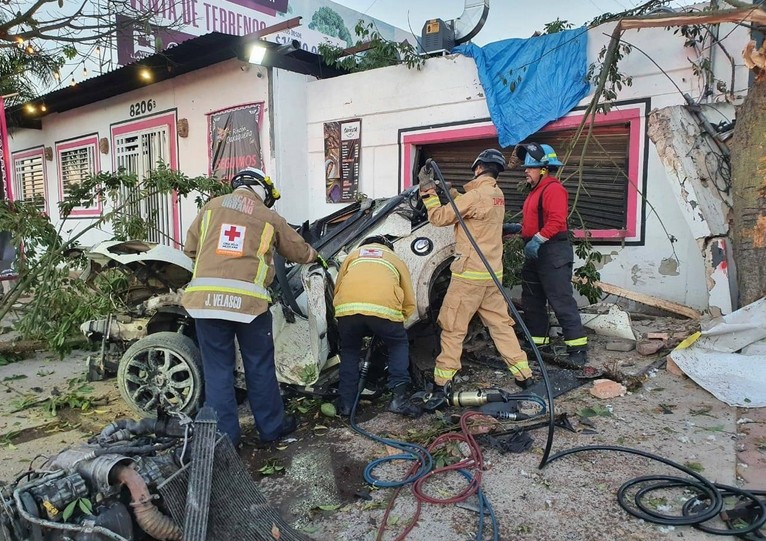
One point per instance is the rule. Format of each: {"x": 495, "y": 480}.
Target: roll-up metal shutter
{"x": 602, "y": 199}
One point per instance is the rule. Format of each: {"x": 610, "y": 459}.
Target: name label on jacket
{"x": 220, "y": 300}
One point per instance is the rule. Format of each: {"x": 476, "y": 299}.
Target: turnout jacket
{"x": 373, "y": 281}
{"x": 483, "y": 210}
{"x": 231, "y": 242}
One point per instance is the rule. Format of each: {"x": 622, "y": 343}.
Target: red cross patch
{"x": 231, "y": 240}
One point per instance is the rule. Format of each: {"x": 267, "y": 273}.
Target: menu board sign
{"x": 342, "y": 142}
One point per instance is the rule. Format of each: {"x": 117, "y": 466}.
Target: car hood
{"x": 156, "y": 266}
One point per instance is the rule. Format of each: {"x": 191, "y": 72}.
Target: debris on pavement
{"x": 608, "y": 320}
{"x": 606, "y": 388}
{"x": 720, "y": 361}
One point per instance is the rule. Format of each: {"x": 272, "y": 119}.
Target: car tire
{"x": 162, "y": 369}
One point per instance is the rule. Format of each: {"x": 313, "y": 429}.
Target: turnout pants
{"x": 549, "y": 279}
{"x": 352, "y": 330}
{"x": 216, "y": 342}
{"x": 462, "y": 301}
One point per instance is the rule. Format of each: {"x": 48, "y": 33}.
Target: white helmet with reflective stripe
{"x": 259, "y": 182}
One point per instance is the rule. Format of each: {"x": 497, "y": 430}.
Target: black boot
{"x": 576, "y": 357}
{"x": 341, "y": 409}
{"x": 525, "y": 383}
{"x": 401, "y": 403}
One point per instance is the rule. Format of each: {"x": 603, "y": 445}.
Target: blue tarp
{"x": 530, "y": 82}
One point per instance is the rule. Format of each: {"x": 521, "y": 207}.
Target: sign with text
{"x": 234, "y": 140}
{"x": 5, "y": 156}
{"x": 323, "y": 21}
{"x": 342, "y": 142}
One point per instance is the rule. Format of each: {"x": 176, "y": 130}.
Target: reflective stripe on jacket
{"x": 483, "y": 210}
{"x": 373, "y": 281}
{"x": 231, "y": 242}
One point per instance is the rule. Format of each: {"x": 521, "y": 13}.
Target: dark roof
{"x": 190, "y": 55}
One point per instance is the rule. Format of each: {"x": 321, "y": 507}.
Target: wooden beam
{"x": 754, "y": 15}
{"x": 274, "y": 28}
{"x": 662, "y": 304}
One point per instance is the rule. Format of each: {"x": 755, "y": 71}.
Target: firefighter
{"x": 472, "y": 289}
{"x": 231, "y": 242}
{"x": 374, "y": 295}
{"x": 548, "y": 257}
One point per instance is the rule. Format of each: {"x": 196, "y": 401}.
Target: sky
{"x": 507, "y": 18}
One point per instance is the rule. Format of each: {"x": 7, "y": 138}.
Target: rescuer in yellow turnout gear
{"x": 374, "y": 296}
{"x": 472, "y": 289}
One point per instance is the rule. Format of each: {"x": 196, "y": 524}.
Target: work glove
{"x": 321, "y": 261}
{"x": 426, "y": 182}
{"x": 533, "y": 246}
{"x": 511, "y": 229}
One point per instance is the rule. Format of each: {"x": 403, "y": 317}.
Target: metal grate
{"x": 30, "y": 180}
{"x": 77, "y": 165}
{"x": 238, "y": 509}
{"x": 139, "y": 153}
{"x": 602, "y": 201}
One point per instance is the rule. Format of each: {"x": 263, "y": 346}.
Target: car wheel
{"x": 161, "y": 370}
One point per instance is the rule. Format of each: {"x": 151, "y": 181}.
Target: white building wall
{"x": 193, "y": 96}
{"x": 447, "y": 90}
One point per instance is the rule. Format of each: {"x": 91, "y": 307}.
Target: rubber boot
{"x": 401, "y": 403}
{"x": 525, "y": 383}
{"x": 341, "y": 408}
{"x": 577, "y": 357}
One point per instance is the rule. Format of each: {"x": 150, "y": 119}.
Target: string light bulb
{"x": 57, "y": 75}
{"x": 30, "y": 108}
{"x": 145, "y": 74}
{"x": 72, "y": 83}
{"x": 43, "y": 108}
{"x": 84, "y": 72}
{"x": 30, "y": 49}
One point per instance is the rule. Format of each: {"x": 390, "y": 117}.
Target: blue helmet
{"x": 537, "y": 155}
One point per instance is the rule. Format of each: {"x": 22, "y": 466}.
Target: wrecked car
{"x": 153, "y": 351}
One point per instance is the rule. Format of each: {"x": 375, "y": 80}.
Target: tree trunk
{"x": 748, "y": 172}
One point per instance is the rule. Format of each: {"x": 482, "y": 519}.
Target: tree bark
{"x": 748, "y": 169}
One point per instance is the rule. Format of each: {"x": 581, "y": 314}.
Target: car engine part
{"x": 164, "y": 479}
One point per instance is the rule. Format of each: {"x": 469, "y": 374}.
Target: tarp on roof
{"x": 530, "y": 82}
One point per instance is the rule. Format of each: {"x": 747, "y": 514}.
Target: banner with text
{"x": 5, "y": 156}
{"x": 342, "y": 142}
{"x": 234, "y": 140}
{"x": 323, "y": 21}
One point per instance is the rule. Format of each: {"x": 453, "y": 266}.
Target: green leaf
{"x": 68, "y": 510}
{"x": 85, "y": 506}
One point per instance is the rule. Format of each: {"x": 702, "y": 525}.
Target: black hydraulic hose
{"x": 549, "y": 392}
{"x": 704, "y": 506}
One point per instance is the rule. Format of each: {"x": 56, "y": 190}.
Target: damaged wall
{"x": 700, "y": 179}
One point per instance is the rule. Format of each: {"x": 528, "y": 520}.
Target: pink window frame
{"x": 22, "y": 155}
{"x": 163, "y": 119}
{"x": 81, "y": 142}
{"x": 630, "y": 115}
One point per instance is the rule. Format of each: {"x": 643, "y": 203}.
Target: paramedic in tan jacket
{"x": 471, "y": 289}
{"x": 231, "y": 242}
{"x": 374, "y": 296}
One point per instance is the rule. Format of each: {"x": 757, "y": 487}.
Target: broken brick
{"x": 657, "y": 336}
{"x": 606, "y": 388}
{"x": 649, "y": 347}
{"x": 620, "y": 345}
{"x": 673, "y": 368}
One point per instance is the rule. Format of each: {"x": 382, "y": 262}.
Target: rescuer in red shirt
{"x": 548, "y": 256}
